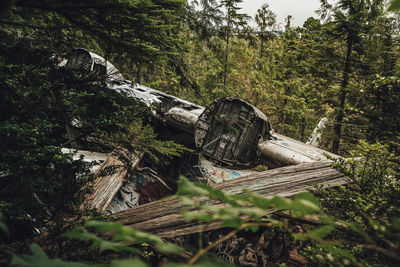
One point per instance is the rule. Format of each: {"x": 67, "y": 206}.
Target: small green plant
{"x": 368, "y": 204}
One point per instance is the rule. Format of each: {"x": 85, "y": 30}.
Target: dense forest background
{"x": 344, "y": 65}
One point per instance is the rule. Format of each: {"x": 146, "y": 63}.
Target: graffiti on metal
{"x": 217, "y": 174}
{"x": 141, "y": 188}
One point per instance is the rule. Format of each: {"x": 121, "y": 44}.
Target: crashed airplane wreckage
{"x": 230, "y": 137}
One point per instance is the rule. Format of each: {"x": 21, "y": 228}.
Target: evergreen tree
{"x": 350, "y": 20}
{"x": 205, "y": 18}
{"x": 265, "y": 20}
{"x": 234, "y": 21}
{"x": 38, "y": 100}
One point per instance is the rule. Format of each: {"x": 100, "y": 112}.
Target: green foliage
{"x": 373, "y": 187}
{"x": 120, "y": 234}
{"x": 238, "y": 209}
{"x": 246, "y": 211}
{"x": 365, "y": 212}
{"x": 318, "y": 256}
{"x": 128, "y": 263}
{"x": 394, "y": 5}
{"x": 40, "y": 258}
{"x": 204, "y": 18}
{"x": 140, "y": 138}
{"x": 295, "y": 77}
{"x": 44, "y": 107}
{"x": 368, "y": 204}
{"x": 381, "y": 109}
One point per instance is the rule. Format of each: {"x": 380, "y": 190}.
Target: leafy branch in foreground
{"x": 334, "y": 240}
{"x": 336, "y": 237}
{"x": 121, "y": 238}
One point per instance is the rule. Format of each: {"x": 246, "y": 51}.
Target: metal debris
{"x": 228, "y": 138}
{"x": 142, "y": 187}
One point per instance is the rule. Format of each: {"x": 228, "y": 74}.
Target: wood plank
{"x": 163, "y": 217}
{"x": 107, "y": 186}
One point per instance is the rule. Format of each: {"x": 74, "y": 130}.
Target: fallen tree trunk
{"x": 163, "y": 217}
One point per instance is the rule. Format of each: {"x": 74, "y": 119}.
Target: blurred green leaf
{"x": 39, "y": 258}
{"x": 304, "y": 204}
{"x": 128, "y": 263}
{"x": 231, "y": 221}
{"x": 358, "y": 229}
{"x": 394, "y": 5}
{"x": 253, "y": 228}
{"x": 187, "y": 188}
{"x": 281, "y": 203}
{"x": 396, "y": 223}
{"x": 196, "y": 215}
{"x": 105, "y": 245}
{"x": 256, "y": 200}
{"x": 104, "y": 227}
{"x": 321, "y": 232}
{"x": 336, "y": 249}
{"x": 168, "y": 248}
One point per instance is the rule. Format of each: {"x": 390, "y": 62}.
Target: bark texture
{"x": 163, "y": 217}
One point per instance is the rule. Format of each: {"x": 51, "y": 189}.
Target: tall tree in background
{"x": 350, "y": 19}
{"x": 205, "y": 18}
{"x": 382, "y": 91}
{"x": 265, "y": 20}
{"x": 234, "y": 21}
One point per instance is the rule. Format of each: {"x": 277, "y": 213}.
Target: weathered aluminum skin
{"x": 272, "y": 148}
{"x": 87, "y": 61}
{"x": 284, "y": 151}
{"x": 86, "y": 156}
{"x": 315, "y": 137}
{"x": 171, "y": 110}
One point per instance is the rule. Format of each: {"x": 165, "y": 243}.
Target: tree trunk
{"x": 226, "y": 57}
{"x": 342, "y": 99}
